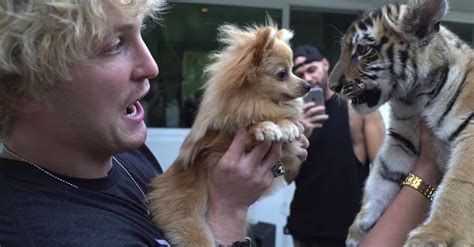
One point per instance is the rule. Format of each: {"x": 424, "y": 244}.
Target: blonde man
{"x": 74, "y": 170}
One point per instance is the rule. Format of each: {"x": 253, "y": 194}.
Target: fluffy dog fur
{"x": 249, "y": 86}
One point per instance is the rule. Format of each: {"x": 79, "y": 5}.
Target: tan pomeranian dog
{"x": 250, "y": 85}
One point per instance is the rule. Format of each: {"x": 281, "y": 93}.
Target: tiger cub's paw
{"x": 359, "y": 229}
{"x": 355, "y": 235}
{"x": 428, "y": 235}
{"x": 267, "y": 131}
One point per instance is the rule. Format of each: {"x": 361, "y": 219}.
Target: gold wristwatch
{"x": 418, "y": 184}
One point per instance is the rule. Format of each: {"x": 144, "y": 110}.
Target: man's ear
{"x": 326, "y": 64}
{"x": 422, "y": 17}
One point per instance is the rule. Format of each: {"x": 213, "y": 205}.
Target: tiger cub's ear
{"x": 421, "y": 18}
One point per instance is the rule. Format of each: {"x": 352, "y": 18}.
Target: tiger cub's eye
{"x": 362, "y": 49}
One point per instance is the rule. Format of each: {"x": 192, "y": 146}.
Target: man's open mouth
{"x": 131, "y": 110}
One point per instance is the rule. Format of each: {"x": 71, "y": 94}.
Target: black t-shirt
{"x": 38, "y": 210}
{"x": 329, "y": 185}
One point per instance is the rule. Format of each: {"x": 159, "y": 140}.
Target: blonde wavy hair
{"x": 41, "y": 39}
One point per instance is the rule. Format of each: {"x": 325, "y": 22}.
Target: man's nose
{"x": 146, "y": 67}
{"x": 307, "y": 77}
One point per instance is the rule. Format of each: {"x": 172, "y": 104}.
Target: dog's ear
{"x": 284, "y": 35}
{"x": 263, "y": 42}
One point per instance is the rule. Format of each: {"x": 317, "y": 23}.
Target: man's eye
{"x": 282, "y": 75}
{"x": 311, "y": 69}
{"x": 114, "y": 48}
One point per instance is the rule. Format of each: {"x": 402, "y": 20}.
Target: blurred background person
{"x": 342, "y": 146}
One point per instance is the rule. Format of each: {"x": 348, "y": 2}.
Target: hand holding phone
{"x": 316, "y": 95}
{"x": 314, "y": 115}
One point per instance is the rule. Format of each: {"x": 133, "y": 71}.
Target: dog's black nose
{"x": 307, "y": 86}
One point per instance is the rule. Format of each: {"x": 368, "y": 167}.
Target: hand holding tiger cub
{"x": 425, "y": 166}
{"x": 409, "y": 207}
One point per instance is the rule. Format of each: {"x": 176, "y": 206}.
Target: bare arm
{"x": 374, "y": 132}
{"x": 410, "y": 207}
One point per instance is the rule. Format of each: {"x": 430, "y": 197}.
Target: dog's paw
{"x": 428, "y": 235}
{"x": 268, "y": 131}
{"x": 289, "y": 130}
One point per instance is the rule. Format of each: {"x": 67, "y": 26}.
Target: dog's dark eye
{"x": 282, "y": 75}
{"x": 362, "y": 49}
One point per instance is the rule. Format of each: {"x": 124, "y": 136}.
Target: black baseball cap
{"x": 310, "y": 52}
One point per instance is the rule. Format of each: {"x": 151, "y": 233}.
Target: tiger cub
{"x": 401, "y": 54}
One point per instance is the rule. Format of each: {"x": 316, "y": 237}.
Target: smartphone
{"x": 316, "y": 95}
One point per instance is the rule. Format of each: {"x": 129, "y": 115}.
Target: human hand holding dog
{"x": 236, "y": 182}
{"x": 302, "y": 152}
{"x": 313, "y": 117}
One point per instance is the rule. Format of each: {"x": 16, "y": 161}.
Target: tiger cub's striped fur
{"x": 400, "y": 54}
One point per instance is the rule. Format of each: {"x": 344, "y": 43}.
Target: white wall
{"x": 165, "y": 144}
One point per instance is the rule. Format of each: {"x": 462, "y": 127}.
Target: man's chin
{"x": 134, "y": 140}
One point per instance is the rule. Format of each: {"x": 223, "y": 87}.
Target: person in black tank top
{"x": 329, "y": 184}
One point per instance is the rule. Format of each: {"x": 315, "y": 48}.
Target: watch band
{"x": 418, "y": 184}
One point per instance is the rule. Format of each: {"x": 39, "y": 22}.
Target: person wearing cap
{"x": 311, "y": 66}
{"x": 342, "y": 145}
